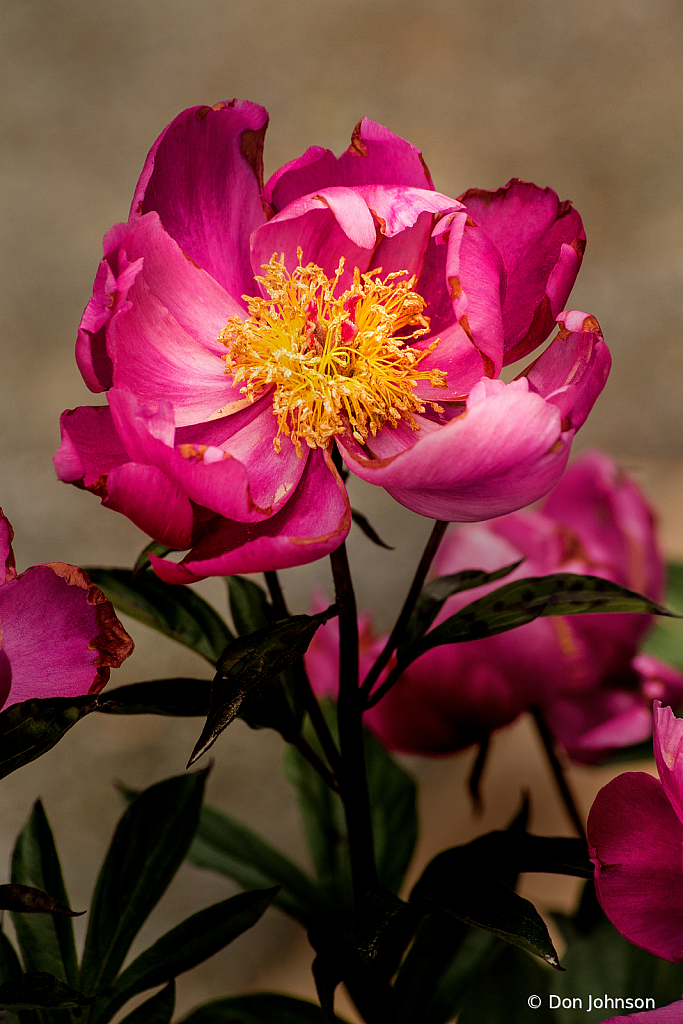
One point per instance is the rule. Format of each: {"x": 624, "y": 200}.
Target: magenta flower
{"x": 583, "y": 671}
{"x": 243, "y": 332}
{"x": 59, "y": 635}
{"x": 671, "y": 1014}
{"x": 635, "y": 834}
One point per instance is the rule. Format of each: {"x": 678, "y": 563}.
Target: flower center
{"x": 335, "y": 362}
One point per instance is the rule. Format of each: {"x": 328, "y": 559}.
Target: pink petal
{"x": 6, "y": 552}
{"x": 668, "y": 748}
{"x": 375, "y": 157}
{"x": 314, "y": 522}
{"x": 60, "y": 635}
{"x": 90, "y": 446}
{"x": 156, "y": 504}
{"x": 203, "y": 176}
{"x": 602, "y": 720}
{"x": 659, "y": 681}
{"x": 506, "y": 452}
{"x": 541, "y": 241}
{"x": 636, "y": 842}
{"x": 671, "y": 1014}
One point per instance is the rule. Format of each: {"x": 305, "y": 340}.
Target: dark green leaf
{"x": 28, "y": 900}
{"x": 150, "y": 842}
{"x": 361, "y": 521}
{"x": 185, "y": 946}
{"x": 37, "y": 989}
{"x": 188, "y": 698}
{"x": 435, "y": 594}
{"x": 143, "y": 560}
{"x": 174, "y": 610}
{"x": 262, "y": 1008}
{"x": 10, "y": 968}
{"x": 524, "y": 600}
{"x": 225, "y": 845}
{"x": 500, "y": 993}
{"x": 441, "y": 964}
{"x": 33, "y": 727}
{"x": 157, "y": 1010}
{"x": 383, "y": 926}
{"x": 249, "y": 605}
{"x": 250, "y": 662}
{"x": 394, "y": 813}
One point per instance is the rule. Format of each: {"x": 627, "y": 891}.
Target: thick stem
{"x": 354, "y": 785}
{"x": 276, "y": 596}
{"x": 402, "y": 621}
{"x": 558, "y": 771}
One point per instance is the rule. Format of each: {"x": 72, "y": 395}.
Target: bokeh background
{"x": 582, "y": 96}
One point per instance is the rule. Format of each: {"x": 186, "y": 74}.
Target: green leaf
{"x": 435, "y": 594}
{"x": 249, "y": 605}
{"x": 250, "y": 662}
{"x": 37, "y": 990}
{"x": 524, "y": 600}
{"x": 185, "y": 946}
{"x": 10, "y": 968}
{"x": 174, "y": 610}
{"x": 440, "y": 966}
{"x": 500, "y": 993}
{"x": 262, "y": 1008}
{"x": 26, "y": 899}
{"x": 33, "y": 727}
{"x": 362, "y": 522}
{"x": 157, "y": 1010}
{"x": 150, "y": 842}
{"x": 143, "y": 560}
{"x": 225, "y": 845}
{"x": 185, "y": 698}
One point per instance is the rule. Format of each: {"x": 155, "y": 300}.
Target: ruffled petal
{"x": 636, "y": 842}
{"x": 375, "y": 157}
{"x": 90, "y": 447}
{"x": 505, "y": 452}
{"x": 203, "y": 176}
{"x": 8, "y": 569}
{"x": 153, "y": 501}
{"x": 313, "y": 523}
{"x": 668, "y": 748}
{"x": 60, "y": 635}
{"x": 541, "y": 241}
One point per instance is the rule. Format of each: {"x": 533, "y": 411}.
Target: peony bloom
{"x": 635, "y": 835}
{"x": 59, "y": 635}
{"x": 583, "y": 671}
{"x": 241, "y": 332}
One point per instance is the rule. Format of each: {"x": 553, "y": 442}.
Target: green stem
{"x": 354, "y": 785}
{"x": 402, "y": 621}
{"x": 558, "y": 771}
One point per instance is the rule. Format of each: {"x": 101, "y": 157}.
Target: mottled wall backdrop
{"x": 582, "y": 96}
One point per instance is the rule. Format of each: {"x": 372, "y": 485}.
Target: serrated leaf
{"x": 229, "y": 847}
{"x": 250, "y": 662}
{"x": 362, "y": 522}
{"x": 157, "y": 1010}
{"x": 183, "y": 947}
{"x": 524, "y": 600}
{"x": 143, "y": 561}
{"x": 38, "y": 990}
{"x": 33, "y": 727}
{"x": 150, "y": 842}
{"x": 180, "y": 697}
{"x": 435, "y": 594}
{"x": 174, "y": 610}
{"x": 262, "y": 1008}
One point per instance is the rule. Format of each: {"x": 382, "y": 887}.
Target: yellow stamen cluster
{"x": 335, "y": 362}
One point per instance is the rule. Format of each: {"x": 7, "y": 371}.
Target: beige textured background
{"x": 585, "y": 97}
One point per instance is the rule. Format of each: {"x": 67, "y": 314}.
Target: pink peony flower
{"x": 671, "y": 1014}
{"x": 583, "y": 671}
{"x": 59, "y": 635}
{"x": 242, "y": 331}
{"x": 635, "y": 834}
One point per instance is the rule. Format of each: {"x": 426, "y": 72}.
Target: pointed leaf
{"x": 33, "y": 727}
{"x": 185, "y": 698}
{"x": 27, "y": 900}
{"x": 524, "y": 600}
{"x": 500, "y": 993}
{"x": 10, "y": 968}
{"x": 362, "y": 522}
{"x": 157, "y": 1010}
{"x": 185, "y": 946}
{"x": 38, "y": 989}
{"x": 249, "y": 605}
{"x": 143, "y": 561}
{"x": 225, "y": 845}
{"x": 262, "y": 1008}
{"x": 175, "y": 611}
{"x": 250, "y": 662}
{"x": 435, "y": 594}
{"x": 150, "y": 842}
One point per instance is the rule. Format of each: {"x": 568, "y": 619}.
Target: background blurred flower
{"x": 635, "y": 834}
{"x": 197, "y": 349}
{"x": 59, "y": 635}
{"x": 584, "y": 672}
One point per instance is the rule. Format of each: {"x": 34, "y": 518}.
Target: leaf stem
{"x": 354, "y": 785}
{"x": 558, "y": 771}
{"x": 394, "y": 640}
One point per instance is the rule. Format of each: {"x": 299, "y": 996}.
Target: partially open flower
{"x": 249, "y": 336}
{"x": 59, "y": 635}
{"x": 635, "y": 832}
